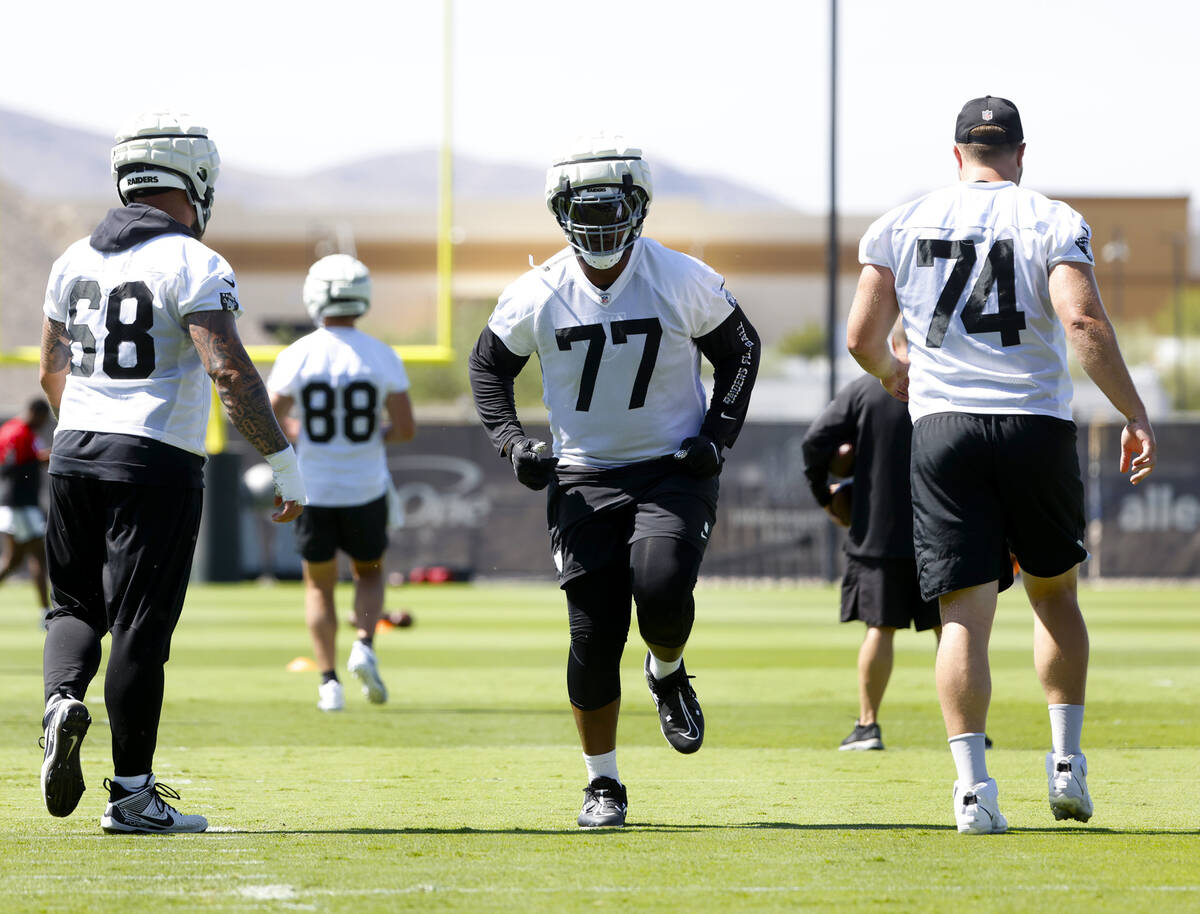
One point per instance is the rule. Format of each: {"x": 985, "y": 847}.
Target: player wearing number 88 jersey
{"x": 332, "y": 389}
{"x": 992, "y": 281}
{"x": 619, "y": 323}
{"x": 138, "y": 318}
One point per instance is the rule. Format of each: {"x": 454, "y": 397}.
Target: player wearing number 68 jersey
{"x": 138, "y": 318}
{"x": 619, "y": 324}
{"x": 993, "y": 281}
{"x": 340, "y": 383}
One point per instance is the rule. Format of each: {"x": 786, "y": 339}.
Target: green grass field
{"x": 461, "y": 793}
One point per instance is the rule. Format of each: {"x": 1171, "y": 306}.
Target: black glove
{"x": 530, "y": 463}
{"x": 700, "y": 456}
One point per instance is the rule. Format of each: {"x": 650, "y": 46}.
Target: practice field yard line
{"x": 460, "y": 794}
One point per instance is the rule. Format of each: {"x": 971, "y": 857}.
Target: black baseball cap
{"x": 993, "y": 112}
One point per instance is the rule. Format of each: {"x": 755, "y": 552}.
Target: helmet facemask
{"x": 601, "y": 221}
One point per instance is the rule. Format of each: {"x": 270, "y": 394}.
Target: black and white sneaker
{"x": 862, "y": 738}
{"x": 66, "y": 723}
{"x": 604, "y": 804}
{"x": 678, "y": 709}
{"x": 146, "y": 811}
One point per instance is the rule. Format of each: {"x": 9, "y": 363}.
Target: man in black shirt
{"x": 880, "y": 587}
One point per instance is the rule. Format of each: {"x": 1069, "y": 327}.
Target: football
{"x": 843, "y": 463}
{"x": 842, "y": 505}
{"x": 259, "y": 481}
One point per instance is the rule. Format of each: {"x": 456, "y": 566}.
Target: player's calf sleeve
{"x": 70, "y": 657}
{"x": 598, "y": 607}
{"x": 133, "y": 695}
{"x": 593, "y": 672}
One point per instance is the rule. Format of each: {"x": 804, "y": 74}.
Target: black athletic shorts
{"x": 983, "y": 485}
{"x": 885, "y": 592}
{"x": 360, "y": 531}
{"x": 119, "y": 554}
{"x": 594, "y": 514}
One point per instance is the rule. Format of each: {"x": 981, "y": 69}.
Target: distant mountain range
{"x": 47, "y": 161}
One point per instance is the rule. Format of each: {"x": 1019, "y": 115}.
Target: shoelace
{"x": 161, "y": 792}
{"x": 667, "y": 683}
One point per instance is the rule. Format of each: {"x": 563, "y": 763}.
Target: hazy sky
{"x": 1106, "y": 89}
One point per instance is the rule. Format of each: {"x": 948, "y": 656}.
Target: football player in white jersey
{"x": 138, "y": 318}
{"x": 339, "y": 380}
{"x": 993, "y": 281}
{"x": 619, "y": 323}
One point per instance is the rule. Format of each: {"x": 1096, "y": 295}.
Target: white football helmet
{"x": 600, "y": 193}
{"x": 336, "y": 286}
{"x": 162, "y": 150}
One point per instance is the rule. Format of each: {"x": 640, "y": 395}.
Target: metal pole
{"x": 1178, "y": 247}
{"x": 445, "y": 250}
{"x": 832, "y": 254}
{"x": 831, "y": 314}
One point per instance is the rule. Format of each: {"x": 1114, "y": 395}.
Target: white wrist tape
{"x": 285, "y": 468}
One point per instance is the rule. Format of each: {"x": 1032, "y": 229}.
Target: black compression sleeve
{"x": 492, "y": 366}
{"x": 733, "y": 348}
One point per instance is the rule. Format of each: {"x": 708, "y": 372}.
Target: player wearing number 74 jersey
{"x": 618, "y": 323}
{"x": 138, "y": 317}
{"x": 993, "y": 281}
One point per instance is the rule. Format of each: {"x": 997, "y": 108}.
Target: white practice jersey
{"x": 620, "y": 368}
{"x": 134, "y": 370}
{"x": 972, "y": 264}
{"x": 340, "y": 379}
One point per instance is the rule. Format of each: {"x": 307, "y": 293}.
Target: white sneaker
{"x": 146, "y": 812}
{"x": 330, "y": 696}
{"x": 977, "y": 809}
{"x": 365, "y": 669}
{"x": 1067, "y": 779}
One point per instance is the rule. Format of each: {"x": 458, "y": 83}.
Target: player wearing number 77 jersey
{"x": 618, "y": 323}
{"x": 138, "y": 317}
{"x": 993, "y": 281}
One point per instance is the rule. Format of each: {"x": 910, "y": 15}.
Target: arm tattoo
{"x": 239, "y": 384}
{"x": 56, "y": 347}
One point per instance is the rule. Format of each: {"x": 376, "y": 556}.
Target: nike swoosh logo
{"x": 134, "y": 818}
{"x": 723, "y": 416}
{"x": 74, "y": 742}
{"x": 693, "y": 732}
{"x": 232, "y": 284}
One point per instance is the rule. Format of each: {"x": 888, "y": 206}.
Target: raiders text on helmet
{"x": 599, "y": 193}
{"x": 162, "y": 150}
{"x": 336, "y": 286}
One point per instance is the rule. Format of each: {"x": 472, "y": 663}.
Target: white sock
{"x": 968, "y": 751}
{"x": 133, "y": 783}
{"x": 661, "y": 669}
{"x": 1066, "y": 729}
{"x": 602, "y": 766}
